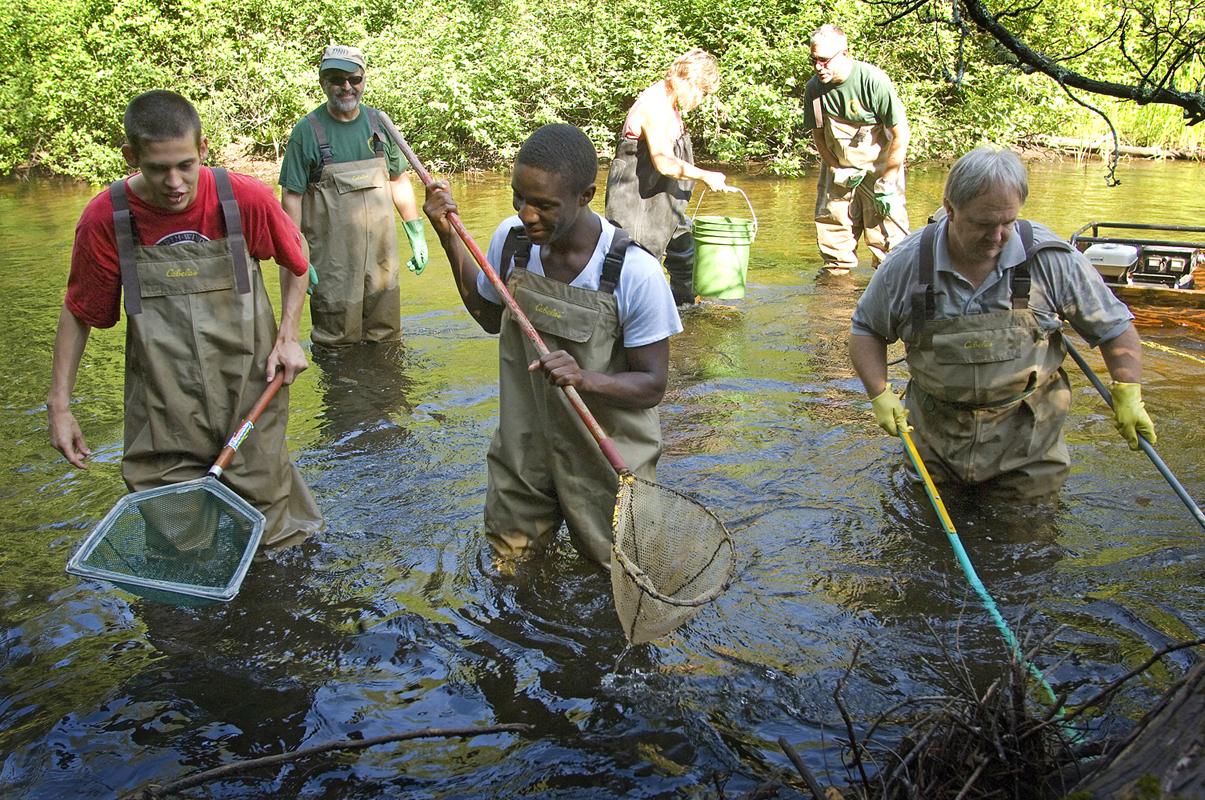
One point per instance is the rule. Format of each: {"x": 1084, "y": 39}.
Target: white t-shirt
{"x": 647, "y": 312}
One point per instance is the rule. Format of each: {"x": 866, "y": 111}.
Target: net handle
{"x": 575, "y": 399}
{"x": 245, "y": 426}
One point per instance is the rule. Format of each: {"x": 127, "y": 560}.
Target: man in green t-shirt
{"x": 341, "y": 178}
{"x": 861, "y": 132}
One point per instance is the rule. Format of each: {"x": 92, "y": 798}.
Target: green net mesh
{"x": 670, "y": 557}
{"x": 188, "y": 543}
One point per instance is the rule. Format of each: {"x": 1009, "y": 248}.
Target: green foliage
{"x": 1145, "y": 126}
{"x": 467, "y": 80}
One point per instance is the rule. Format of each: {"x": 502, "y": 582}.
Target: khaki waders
{"x": 844, "y": 215}
{"x": 199, "y": 330}
{"x": 544, "y": 466}
{"x": 347, "y": 219}
{"x": 988, "y": 394}
{"x": 652, "y": 208}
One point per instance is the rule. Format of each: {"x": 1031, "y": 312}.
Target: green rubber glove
{"x": 887, "y": 203}
{"x": 1130, "y": 412}
{"x": 418, "y": 245}
{"x": 849, "y": 177}
{"x": 313, "y": 280}
{"x": 889, "y": 412}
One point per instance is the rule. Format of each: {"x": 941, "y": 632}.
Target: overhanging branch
{"x": 1031, "y": 61}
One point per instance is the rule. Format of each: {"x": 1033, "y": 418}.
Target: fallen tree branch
{"x": 1108, "y": 691}
{"x": 1099, "y": 146}
{"x": 804, "y": 772}
{"x": 239, "y": 767}
{"x": 854, "y": 745}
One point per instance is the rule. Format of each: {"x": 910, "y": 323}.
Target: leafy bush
{"x": 467, "y": 80}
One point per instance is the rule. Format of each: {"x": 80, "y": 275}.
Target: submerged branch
{"x": 240, "y": 767}
{"x": 972, "y": 745}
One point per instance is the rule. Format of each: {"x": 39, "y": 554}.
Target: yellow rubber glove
{"x": 1130, "y": 412}
{"x": 890, "y": 413}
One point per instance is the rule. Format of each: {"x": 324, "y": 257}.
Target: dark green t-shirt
{"x": 866, "y": 97}
{"x": 349, "y": 141}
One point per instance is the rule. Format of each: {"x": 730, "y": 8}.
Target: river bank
{"x": 1053, "y": 150}
{"x": 249, "y": 160}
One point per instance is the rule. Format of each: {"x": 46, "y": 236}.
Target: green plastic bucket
{"x": 722, "y": 253}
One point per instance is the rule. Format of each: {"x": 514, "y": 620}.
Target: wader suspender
{"x": 518, "y": 246}
{"x": 324, "y": 147}
{"x": 127, "y": 238}
{"x": 923, "y": 305}
{"x": 127, "y": 235}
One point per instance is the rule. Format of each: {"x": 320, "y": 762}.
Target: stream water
{"x": 385, "y": 623}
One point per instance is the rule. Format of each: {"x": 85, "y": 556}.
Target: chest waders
{"x": 988, "y": 394}
{"x": 544, "y": 468}
{"x": 199, "y": 329}
{"x": 652, "y": 208}
{"x": 844, "y": 215}
{"x": 347, "y": 219}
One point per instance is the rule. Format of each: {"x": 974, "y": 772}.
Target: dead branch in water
{"x": 967, "y": 746}
{"x": 240, "y": 767}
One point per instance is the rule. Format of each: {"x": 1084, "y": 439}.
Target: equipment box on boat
{"x": 1129, "y": 260}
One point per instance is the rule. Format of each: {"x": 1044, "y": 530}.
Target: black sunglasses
{"x": 354, "y": 80}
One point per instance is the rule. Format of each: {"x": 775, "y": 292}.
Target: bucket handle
{"x": 739, "y": 189}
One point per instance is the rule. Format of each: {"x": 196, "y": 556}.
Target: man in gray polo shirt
{"x": 981, "y": 318}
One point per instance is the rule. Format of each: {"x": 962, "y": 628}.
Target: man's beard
{"x": 344, "y": 104}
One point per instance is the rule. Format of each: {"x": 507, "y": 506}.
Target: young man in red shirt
{"x": 184, "y": 242}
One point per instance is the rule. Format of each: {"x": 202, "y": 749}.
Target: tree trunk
{"x": 1165, "y": 755}
{"x": 1105, "y": 146}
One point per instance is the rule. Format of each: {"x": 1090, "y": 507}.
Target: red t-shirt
{"x": 94, "y": 286}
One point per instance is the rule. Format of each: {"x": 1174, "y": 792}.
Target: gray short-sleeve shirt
{"x": 1065, "y": 287}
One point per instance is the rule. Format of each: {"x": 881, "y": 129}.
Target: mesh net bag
{"x": 670, "y": 557}
{"x": 188, "y": 543}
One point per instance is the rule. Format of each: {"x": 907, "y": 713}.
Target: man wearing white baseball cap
{"x": 342, "y": 176}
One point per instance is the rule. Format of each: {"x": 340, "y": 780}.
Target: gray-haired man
{"x": 978, "y": 298}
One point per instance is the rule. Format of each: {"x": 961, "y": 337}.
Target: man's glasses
{"x": 354, "y": 80}
{"x": 823, "y": 62}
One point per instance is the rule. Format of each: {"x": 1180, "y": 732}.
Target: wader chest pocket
{"x": 557, "y": 316}
{"x": 172, "y": 275}
{"x": 978, "y": 347}
{"x": 359, "y": 180}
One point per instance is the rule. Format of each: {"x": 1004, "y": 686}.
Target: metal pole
{"x": 1146, "y": 446}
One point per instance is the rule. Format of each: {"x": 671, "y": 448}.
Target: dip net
{"x": 187, "y": 543}
{"x": 670, "y": 556}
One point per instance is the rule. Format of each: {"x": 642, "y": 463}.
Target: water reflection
{"x": 384, "y": 623}
{"x": 365, "y": 391}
